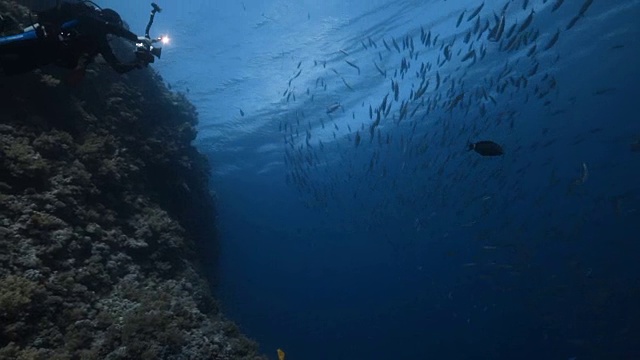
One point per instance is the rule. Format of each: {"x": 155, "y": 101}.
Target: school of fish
{"x": 447, "y": 117}
{"x": 403, "y": 151}
{"x": 435, "y": 82}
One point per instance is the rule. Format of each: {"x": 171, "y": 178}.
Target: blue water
{"x": 412, "y": 247}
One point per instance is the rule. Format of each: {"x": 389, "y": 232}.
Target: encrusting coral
{"x": 104, "y": 204}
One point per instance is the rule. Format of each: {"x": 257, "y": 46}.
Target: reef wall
{"x": 104, "y": 206}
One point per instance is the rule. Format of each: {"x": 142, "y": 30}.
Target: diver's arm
{"x": 121, "y": 32}
{"x": 112, "y": 60}
{"x": 95, "y": 22}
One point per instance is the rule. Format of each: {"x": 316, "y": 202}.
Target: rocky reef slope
{"x": 104, "y": 204}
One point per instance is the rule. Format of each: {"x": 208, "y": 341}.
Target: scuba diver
{"x": 71, "y": 35}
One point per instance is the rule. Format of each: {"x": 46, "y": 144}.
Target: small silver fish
{"x": 333, "y": 108}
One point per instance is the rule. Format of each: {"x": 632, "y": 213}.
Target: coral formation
{"x": 104, "y": 204}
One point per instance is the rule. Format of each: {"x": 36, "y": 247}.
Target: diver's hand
{"x": 144, "y": 40}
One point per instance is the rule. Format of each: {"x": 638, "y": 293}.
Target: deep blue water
{"x": 406, "y": 246}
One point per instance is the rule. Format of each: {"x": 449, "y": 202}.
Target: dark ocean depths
{"x": 354, "y": 222}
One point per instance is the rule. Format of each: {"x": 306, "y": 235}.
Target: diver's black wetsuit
{"x": 88, "y": 39}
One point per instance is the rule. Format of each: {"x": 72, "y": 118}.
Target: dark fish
{"x": 486, "y": 27}
{"x": 467, "y": 37}
{"x": 456, "y": 101}
{"x": 604, "y": 91}
{"x": 475, "y": 12}
{"x": 504, "y": 8}
{"x": 383, "y": 73}
{"x": 635, "y": 147}
{"x": 468, "y": 55}
{"x": 353, "y": 66}
{"x": 573, "y": 22}
{"x": 496, "y": 18}
{"x": 527, "y": 22}
{"x": 447, "y": 52}
{"x": 460, "y": 19}
{"x": 585, "y": 7}
{"x": 395, "y": 45}
{"x": 557, "y": 5}
{"x": 346, "y": 84}
{"x": 553, "y": 40}
{"x": 486, "y": 148}
{"x": 532, "y": 50}
{"x": 386, "y": 45}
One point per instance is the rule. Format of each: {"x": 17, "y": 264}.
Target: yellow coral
{"x": 15, "y": 293}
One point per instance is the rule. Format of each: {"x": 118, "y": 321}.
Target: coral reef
{"x": 104, "y": 206}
